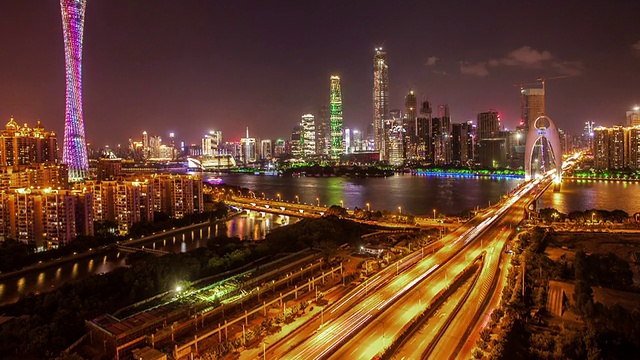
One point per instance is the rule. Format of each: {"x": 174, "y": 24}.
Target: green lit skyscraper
{"x": 337, "y": 132}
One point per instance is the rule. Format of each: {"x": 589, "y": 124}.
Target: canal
{"x": 248, "y": 226}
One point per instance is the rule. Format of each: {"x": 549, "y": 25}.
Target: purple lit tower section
{"x": 74, "y": 152}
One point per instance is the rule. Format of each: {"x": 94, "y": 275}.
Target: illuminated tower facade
{"x": 74, "y": 152}
{"x": 308, "y": 135}
{"x": 380, "y": 99}
{"x": 335, "y": 119}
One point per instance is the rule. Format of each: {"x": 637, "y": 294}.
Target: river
{"x": 415, "y": 194}
{"x": 581, "y": 195}
{"x": 246, "y": 226}
{"x": 418, "y": 195}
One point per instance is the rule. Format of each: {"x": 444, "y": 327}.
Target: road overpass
{"x": 489, "y": 229}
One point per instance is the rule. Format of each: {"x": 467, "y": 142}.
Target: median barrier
{"x": 417, "y": 322}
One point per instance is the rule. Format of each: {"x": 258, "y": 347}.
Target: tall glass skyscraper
{"x": 336, "y": 120}
{"x": 74, "y": 151}
{"x": 380, "y": 99}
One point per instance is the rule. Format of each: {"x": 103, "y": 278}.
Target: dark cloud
{"x": 431, "y": 61}
{"x": 524, "y": 57}
{"x": 636, "y": 48}
{"x": 475, "y": 69}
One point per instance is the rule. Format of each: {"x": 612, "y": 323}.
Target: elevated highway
{"x": 488, "y": 230}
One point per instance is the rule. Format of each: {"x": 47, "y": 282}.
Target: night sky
{"x": 191, "y": 66}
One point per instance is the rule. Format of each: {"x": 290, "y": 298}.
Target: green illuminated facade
{"x": 337, "y": 131}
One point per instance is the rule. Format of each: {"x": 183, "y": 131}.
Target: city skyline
{"x": 144, "y": 75}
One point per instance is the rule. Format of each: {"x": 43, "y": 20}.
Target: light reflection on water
{"x": 581, "y": 195}
{"x": 51, "y": 278}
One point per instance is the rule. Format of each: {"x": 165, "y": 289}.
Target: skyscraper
{"x": 74, "y": 152}
{"x": 323, "y": 136}
{"x": 489, "y": 124}
{"x": 308, "y": 135}
{"x": 492, "y": 148}
{"x": 532, "y": 105}
{"x": 337, "y": 133}
{"x": 410, "y": 125}
{"x": 380, "y": 99}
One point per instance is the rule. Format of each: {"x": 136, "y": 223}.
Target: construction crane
{"x": 543, "y": 80}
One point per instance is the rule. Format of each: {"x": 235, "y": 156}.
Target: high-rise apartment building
{"x": 132, "y": 202}
{"x": 633, "y": 116}
{"x": 45, "y": 218}
{"x": 633, "y": 139}
{"x": 618, "y": 153}
{"x": 177, "y": 195}
{"x": 380, "y": 99}
{"x": 601, "y": 147}
{"x": 336, "y": 119}
{"x": 613, "y": 147}
{"x": 532, "y": 103}
{"x": 23, "y": 145}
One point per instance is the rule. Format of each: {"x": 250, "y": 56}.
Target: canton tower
{"x": 74, "y": 152}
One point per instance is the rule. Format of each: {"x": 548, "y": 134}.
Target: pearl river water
{"x": 418, "y": 195}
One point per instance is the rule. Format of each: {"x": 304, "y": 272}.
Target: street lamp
{"x": 297, "y": 199}
{"x": 279, "y": 199}
{"x": 341, "y": 204}
{"x": 434, "y": 214}
{"x": 264, "y": 196}
{"x": 318, "y": 200}
{"x": 592, "y": 215}
{"x": 368, "y": 208}
{"x": 399, "y": 209}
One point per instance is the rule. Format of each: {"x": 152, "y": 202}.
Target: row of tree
{"x": 353, "y": 171}
{"x": 50, "y": 322}
{"x": 549, "y": 215}
{"x": 15, "y": 255}
{"x": 607, "y": 333}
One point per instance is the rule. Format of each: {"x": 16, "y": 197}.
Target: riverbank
{"x": 599, "y": 178}
{"x": 98, "y": 251}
